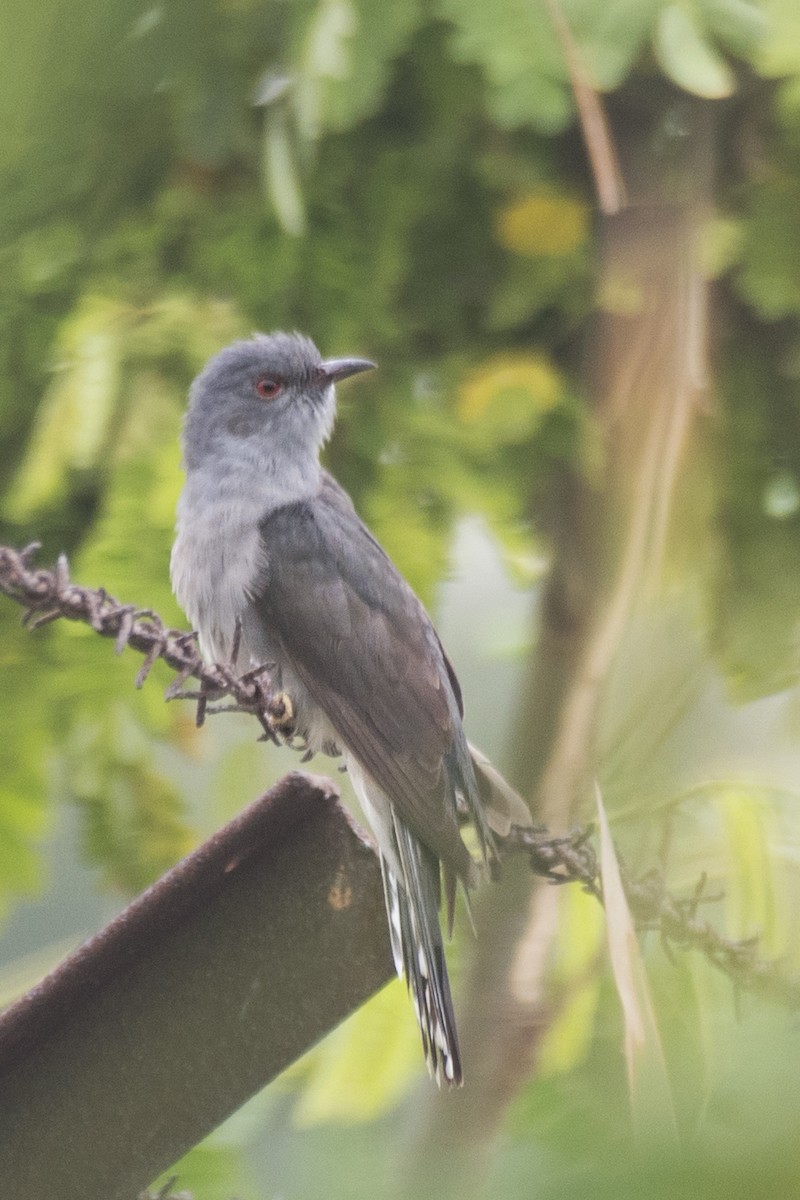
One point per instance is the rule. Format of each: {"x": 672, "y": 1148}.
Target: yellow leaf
{"x": 542, "y": 224}
{"x": 750, "y": 900}
{"x": 510, "y": 394}
{"x": 361, "y": 1069}
{"x": 574, "y": 968}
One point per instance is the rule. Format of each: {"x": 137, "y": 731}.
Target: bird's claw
{"x": 280, "y": 715}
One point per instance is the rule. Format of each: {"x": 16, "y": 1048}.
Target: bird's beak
{"x": 340, "y": 368}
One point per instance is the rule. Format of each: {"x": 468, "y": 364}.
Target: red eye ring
{"x": 268, "y": 388}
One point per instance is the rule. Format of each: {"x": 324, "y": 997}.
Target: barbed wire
{"x": 47, "y": 595}
{"x": 677, "y": 921}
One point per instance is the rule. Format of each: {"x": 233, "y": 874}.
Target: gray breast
{"x": 220, "y": 565}
{"x": 218, "y": 561}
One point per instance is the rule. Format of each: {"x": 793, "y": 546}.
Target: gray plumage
{"x": 266, "y": 537}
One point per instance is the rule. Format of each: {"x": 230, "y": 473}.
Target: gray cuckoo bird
{"x": 269, "y": 544}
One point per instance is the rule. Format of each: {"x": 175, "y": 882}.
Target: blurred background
{"x": 569, "y": 233}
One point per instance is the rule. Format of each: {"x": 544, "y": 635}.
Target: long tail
{"x": 412, "y": 904}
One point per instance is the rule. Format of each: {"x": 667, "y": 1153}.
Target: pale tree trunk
{"x": 645, "y": 372}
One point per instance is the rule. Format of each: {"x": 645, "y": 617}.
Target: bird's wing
{"x": 364, "y": 648}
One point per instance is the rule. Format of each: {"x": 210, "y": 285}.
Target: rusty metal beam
{"x": 195, "y": 997}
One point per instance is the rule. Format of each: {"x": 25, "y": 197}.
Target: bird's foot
{"x": 280, "y": 714}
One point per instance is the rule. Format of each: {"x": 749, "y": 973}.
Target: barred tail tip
{"x": 419, "y": 959}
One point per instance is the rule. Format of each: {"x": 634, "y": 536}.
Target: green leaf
{"x": 361, "y": 1069}
{"x": 517, "y": 48}
{"x": 22, "y": 823}
{"x": 281, "y": 179}
{"x": 769, "y": 277}
{"x": 742, "y": 26}
{"x": 348, "y": 53}
{"x": 752, "y": 894}
{"x": 566, "y": 1042}
{"x": 47, "y": 258}
{"x": 74, "y": 419}
{"x": 609, "y": 36}
{"x": 212, "y": 1170}
{"x": 780, "y": 48}
{"x": 688, "y": 58}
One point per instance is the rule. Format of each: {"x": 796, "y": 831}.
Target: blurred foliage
{"x": 407, "y": 181}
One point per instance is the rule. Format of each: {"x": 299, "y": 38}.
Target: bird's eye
{"x": 267, "y": 387}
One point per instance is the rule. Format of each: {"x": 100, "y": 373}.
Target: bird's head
{"x": 270, "y": 397}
